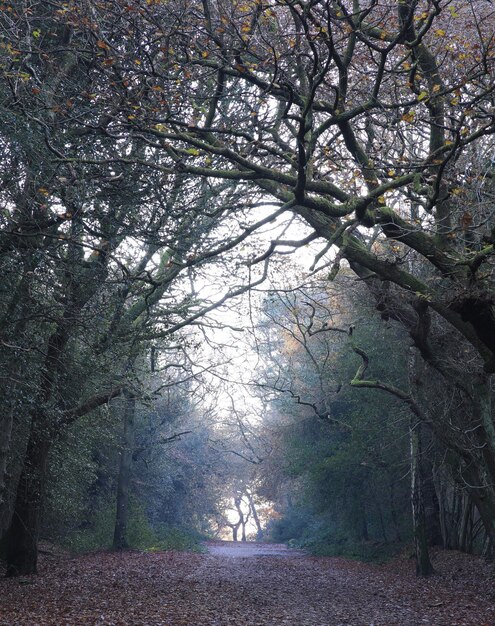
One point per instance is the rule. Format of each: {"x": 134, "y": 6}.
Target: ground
{"x": 247, "y": 585}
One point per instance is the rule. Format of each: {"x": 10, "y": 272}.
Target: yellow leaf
{"x": 422, "y": 95}
{"x": 205, "y": 54}
{"x": 440, "y": 32}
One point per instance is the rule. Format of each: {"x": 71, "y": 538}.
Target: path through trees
{"x": 246, "y": 585}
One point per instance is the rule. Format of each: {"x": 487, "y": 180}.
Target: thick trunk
{"x": 23, "y": 533}
{"x": 6, "y": 421}
{"x": 18, "y": 308}
{"x": 423, "y": 563}
{"x": 120, "y": 541}
{"x": 483, "y": 500}
{"x": 465, "y": 535}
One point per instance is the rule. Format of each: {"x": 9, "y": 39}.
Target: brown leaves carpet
{"x": 255, "y": 585}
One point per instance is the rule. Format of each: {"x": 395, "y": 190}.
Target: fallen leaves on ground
{"x": 271, "y": 587}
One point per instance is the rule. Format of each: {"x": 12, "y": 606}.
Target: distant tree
{"x": 344, "y": 454}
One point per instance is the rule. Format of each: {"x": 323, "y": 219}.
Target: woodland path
{"x": 247, "y": 585}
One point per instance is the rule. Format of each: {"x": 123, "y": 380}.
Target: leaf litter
{"x": 237, "y": 585}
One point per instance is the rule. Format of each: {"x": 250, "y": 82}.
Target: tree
{"x": 362, "y": 121}
{"x": 357, "y": 117}
{"x": 342, "y": 452}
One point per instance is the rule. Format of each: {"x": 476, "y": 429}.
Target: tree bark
{"x": 120, "y": 541}
{"x": 423, "y": 563}
{"x": 23, "y": 533}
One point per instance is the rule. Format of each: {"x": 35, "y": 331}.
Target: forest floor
{"x": 247, "y": 585}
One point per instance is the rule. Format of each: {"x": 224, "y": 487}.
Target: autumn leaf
{"x": 466, "y": 220}
{"x": 408, "y": 117}
{"x": 246, "y": 584}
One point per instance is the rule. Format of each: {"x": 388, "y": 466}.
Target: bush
{"x": 140, "y": 534}
{"x": 368, "y": 551}
{"x": 291, "y": 527}
{"x": 322, "y": 536}
{"x": 98, "y": 535}
{"x": 174, "y": 538}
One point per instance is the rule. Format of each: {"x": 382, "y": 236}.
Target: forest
{"x": 247, "y": 255}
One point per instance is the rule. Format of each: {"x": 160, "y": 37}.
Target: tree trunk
{"x": 23, "y": 533}
{"x": 242, "y": 520}
{"x": 393, "y": 513}
{"x": 259, "y": 529}
{"x": 120, "y": 541}
{"x": 423, "y": 563}
{"x": 464, "y": 534}
{"x": 18, "y": 308}
{"x": 6, "y": 421}
{"x": 235, "y": 529}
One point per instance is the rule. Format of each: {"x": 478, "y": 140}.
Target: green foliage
{"x": 97, "y": 536}
{"x": 369, "y": 551}
{"x": 321, "y": 536}
{"x": 141, "y": 535}
{"x": 175, "y": 538}
{"x": 82, "y": 467}
{"x": 290, "y": 528}
{"x": 345, "y": 489}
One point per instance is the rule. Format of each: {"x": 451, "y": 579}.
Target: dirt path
{"x": 247, "y": 585}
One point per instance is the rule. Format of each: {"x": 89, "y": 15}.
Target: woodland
{"x": 247, "y": 257}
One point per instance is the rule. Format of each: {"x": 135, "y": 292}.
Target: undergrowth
{"x": 141, "y": 535}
